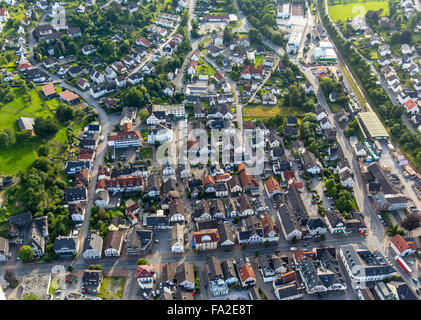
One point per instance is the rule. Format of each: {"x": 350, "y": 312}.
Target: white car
{"x": 145, "y": 295}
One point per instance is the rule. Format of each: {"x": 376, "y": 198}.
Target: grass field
{"x": 258, "y": 59}
{"x": 112, "y": 288}
{"x": 205, "y": 68}
{"x": 20, "y": 156}
{"x": 19, "y": 107}
{"x": 146, "y": 152}
{"x": 350, "y": 10}
{"x": 263, "y": 112}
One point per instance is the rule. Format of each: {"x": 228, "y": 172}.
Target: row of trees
{"x": 377, "y": 96}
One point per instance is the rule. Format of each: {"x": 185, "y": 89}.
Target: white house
{"x": 411, "y": 107}
{"x": 177, "y": 244}
{"x": 401, "y": 247}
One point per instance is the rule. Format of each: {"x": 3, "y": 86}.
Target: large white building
{"x": 363, "y": 265}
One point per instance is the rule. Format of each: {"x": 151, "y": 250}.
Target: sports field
{"x": 357, "y": 8}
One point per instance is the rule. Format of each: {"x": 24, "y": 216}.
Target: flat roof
{"x": 372, "y": 123}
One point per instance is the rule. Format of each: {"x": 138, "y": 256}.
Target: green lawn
{"x": 202, "y": 43}
{"x": 260, "y": 111}
{"x": 350, "y": 10}
{"x": 146, "y": 152}
{"x": 258, "y": 59}
{"x": 205, "y": 68}
{"x": 19, "y": 107}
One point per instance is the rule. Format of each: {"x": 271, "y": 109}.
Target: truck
{"x": 403, "y": 265}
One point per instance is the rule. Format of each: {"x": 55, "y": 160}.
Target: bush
{"x": 26, "y": 254}
{"x": 96, "y": 267}
{"x": 142, "y": 261}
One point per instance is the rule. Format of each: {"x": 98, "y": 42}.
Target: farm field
{"x": 350, "y": 10}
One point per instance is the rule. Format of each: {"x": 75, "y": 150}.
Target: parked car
{"x": 145, "y": 295}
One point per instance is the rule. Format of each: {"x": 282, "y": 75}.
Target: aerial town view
{"x": 204, "y": 150}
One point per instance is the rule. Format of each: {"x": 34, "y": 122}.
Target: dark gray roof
{"x": 288, "y": 219}
{"x": 93, "y": 241}
{"x": 74, "y": 194}
{"x": 381, "y": 178}
{"x": 315, "y": 223}
{"x": 287, "y": 291}
{"x": 297, "y": 205}
{"x": 228, "y": 269}
{"x": 65, "y": 243}
{"x": 20, "y": 219}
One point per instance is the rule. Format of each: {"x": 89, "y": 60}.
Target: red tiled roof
{"x": 131, "y": 216}
{"x": 249, "y": 125}
{"x": 132, "y": 207}
{"x": 246, "y": 272}
{"x": 300, "y": 255}
{"x": 218, "y": 76}
{"x": 193, "y": 64}
{"x": 267, "y": 225}
{"x": 241, "y": 166}
{"x": 144, "y": 41}
{"x": 48, "y": 89}
{"x": 68, "y": 95}
{"x": 295, "y": 184}
{"x": 222, "y": 177}
{"x": 125, "y": 135}
{"x": 272, "y": 185}
{"x": 208, "y": 179}
{"x": 401, "y": 244}
{"x": 288, "y": 276}
{"x": 104, "y": 170}
{"x": 410, "y": 104}
{"x": 289, "y": 174}
{"x": 145, "y": 271}
{"x": 247, "y": 180}
{"x": 123, "y": 182}
{"x": 25, "y": 66}
{"x": 198, "y": 236}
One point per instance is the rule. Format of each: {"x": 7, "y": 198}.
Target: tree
{"x": 227, "y": 34}
{"x": 4, "y": 140}
{"x": 65, "y": 113}
{"x": 43, "y": 150}
{"x": 411, "y": 222}
{"x": 26, "y": 254}
{"x": 143, "y": 115}
{"x": 255, "y": 36}
{"x": 142, "y": 261}
{"x": 406, "y": 37}
{"x": 31, "y": 296}
{"x": 136, "y": 97}
{"x": 45, "y": 127}
{"x": 10, "y": 276}
{"x": 256, "y": 253}
{"x": 71, "y": 48}
{"x": 42, "y": 163}
{"x": 394, "y": 230}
